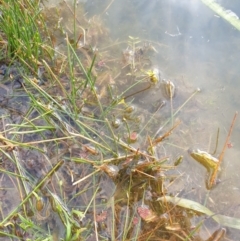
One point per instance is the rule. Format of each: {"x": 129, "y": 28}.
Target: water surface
{"x": 195, "y": 49}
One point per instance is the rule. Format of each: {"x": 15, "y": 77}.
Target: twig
{"x": 137, "y": 92}
{"x": 213, "y": 177}
{"x": 159, "y": 139}
{"x": 228, "y": 137}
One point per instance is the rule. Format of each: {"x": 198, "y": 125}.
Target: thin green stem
{"x": 48, "y": 175}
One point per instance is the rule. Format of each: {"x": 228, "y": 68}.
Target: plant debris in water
{"x": 77, "y": 158}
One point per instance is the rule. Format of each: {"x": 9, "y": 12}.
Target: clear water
{"x": 196, "y": 49}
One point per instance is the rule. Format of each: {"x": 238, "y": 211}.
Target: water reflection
{"x": 196, "y": 48}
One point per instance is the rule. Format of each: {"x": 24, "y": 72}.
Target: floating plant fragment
{"x": 147, "y": 214}
{"x": 40, "y": 204}
{"x": 169, "y": 88}
{"x": 178, "y": 161}
{"x": 197, "y": 207}
{"x": 101, "y": 216}
{"x": 116, "y": 123}
{"x": 218, "y": 235}
{"x": 173, "y": 227}
{"x": 210, "y": 162}
{"x": 110, "y": 169}
{"x": 154, "y": 75}
{"x": 133, "y": 137}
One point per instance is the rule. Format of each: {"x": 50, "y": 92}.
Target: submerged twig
{"x": 213, "y": 177}
{"x": 168, "y": 133}
{"x": 228, "y": 137}
{"x": 137, "y": 92}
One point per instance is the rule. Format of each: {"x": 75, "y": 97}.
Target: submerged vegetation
{"x": 80, "y": 149}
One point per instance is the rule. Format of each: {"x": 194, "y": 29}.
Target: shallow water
{"x": 202, "y": 49}
{"x": 195, "y": 49}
